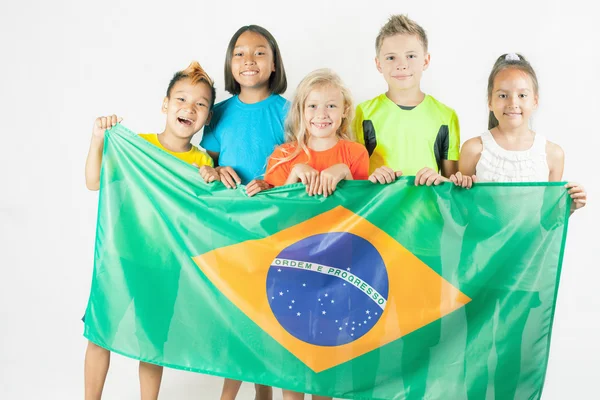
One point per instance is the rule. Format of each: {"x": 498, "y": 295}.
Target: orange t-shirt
{"x": 353, "y": 154}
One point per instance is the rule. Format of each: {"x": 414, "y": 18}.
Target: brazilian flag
{"x": 377, "y": 292}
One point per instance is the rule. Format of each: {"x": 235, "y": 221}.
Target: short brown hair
{"x": 401, "y": 25}
{"x": 277, "y": 81}
{"x": 196, "y": 74}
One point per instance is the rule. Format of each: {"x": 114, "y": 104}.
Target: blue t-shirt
{"x": 245, "y": 135}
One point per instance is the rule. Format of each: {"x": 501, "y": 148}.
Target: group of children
{"x": 258, "y": 139}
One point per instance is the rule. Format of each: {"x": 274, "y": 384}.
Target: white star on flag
{"x": 281, "y": 293}
{"x": 298, "y": 314}
{"x": 324, "y": 312}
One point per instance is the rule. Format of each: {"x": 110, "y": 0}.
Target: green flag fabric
{"x": 376, "y": 292}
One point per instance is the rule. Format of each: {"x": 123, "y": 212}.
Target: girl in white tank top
{"x": 509, "y": 151}
{"x": 497, "y": 164}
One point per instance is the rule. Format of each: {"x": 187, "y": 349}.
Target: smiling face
{"x": 187, "y": 108}
{"x": 252, "y": 62}
{"x": 513, "y": 98}
{"x": 402, "y": 60}
{"x": 324, "y": 109}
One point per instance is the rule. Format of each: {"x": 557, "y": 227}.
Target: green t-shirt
{"x": 407, "y": 139}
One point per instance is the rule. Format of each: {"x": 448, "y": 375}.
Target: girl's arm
{"x": 555, "y": 156}
{"x": 469, "y": 156}
{"x": 292, "y": 176}
{"x": 467, "y": 163}
{"x": 93, "y": 163}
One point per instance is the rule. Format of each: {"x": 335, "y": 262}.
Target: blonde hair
{"x": 296, "y": 130}
{"x": 505, "y": 61}
{"x": 401, "y": 25}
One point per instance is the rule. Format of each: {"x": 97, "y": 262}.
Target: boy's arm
{"x": 449, "y": 167}
{"x": 215, "y": 157}
{"x": 357, "y": 125}
{"x": 93, "y": 163}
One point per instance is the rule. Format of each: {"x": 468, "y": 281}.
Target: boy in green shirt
{"x": 405, "y": 129}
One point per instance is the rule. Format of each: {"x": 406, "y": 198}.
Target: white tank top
{"x": 499, "y": 165}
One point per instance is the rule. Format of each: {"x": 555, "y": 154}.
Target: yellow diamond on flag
{"x": 331, "y": 288}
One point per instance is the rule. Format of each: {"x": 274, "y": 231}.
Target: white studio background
{"x": 66, "y": 62}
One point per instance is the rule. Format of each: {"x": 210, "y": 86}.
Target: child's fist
{"x": 578, "y": 195}
{"x": 209, "y": 174}
{"x": 464, "y": 181}
{"x": 103, "y": 123}
{"x": 384, "y": 175}
{"x": 428, "y": 176}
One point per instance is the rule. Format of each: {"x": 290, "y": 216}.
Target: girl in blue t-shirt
{"x": 246, "y": 128}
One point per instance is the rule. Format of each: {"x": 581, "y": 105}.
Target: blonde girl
{"x": 319, "y": 149}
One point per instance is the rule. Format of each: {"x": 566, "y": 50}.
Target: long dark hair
{"x": 277, "y": 81}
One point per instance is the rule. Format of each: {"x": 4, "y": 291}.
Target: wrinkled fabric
{"x": 376, "y": 292}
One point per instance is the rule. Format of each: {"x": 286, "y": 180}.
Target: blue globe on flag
{"x": 328, "y": 289}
